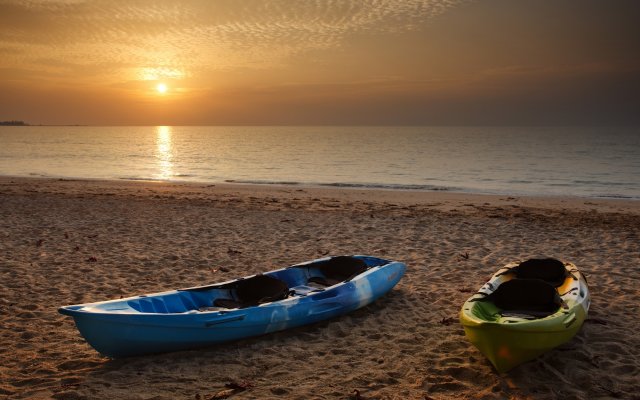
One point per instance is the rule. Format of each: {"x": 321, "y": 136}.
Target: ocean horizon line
{"x": 239, "y": 125}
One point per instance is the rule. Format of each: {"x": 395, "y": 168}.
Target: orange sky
{"x": 431, "y": 62}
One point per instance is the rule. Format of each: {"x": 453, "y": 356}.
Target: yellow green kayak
{"x": 526, "y": 309}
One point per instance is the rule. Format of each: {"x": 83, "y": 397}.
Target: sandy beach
{"x": 72, "y": 241}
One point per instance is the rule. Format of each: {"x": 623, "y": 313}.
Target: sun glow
{"x": 161, "y": 88}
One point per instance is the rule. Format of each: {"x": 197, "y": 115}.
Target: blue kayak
{"x": 200, "y": 316}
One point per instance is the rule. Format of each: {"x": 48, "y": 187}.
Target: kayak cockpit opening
{"x": 298, "y": 280}
{"x": 535, "y": 288}
{"x": 334, "y": 270}
{"x": 249, "y": 292}
{"x": 523, "y": 298}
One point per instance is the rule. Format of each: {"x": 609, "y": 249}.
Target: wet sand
{"x": 73, "y": 241}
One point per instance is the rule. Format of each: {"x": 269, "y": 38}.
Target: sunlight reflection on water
{"x": 164, "y": 152}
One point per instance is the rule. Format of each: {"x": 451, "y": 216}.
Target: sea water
{"x": 578, "y": 161}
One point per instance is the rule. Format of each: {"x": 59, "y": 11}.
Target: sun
{"x": 161, "y": 88}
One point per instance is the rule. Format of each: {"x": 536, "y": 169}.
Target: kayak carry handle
{"x": 323, "y": 308}
{"x": 568, "y": 321}
{"x": 219, "y": 321}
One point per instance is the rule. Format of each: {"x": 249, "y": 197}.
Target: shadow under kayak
{"x": 200, "y": 316}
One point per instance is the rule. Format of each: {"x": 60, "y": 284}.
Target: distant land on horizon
{"x": 22, "y": 123}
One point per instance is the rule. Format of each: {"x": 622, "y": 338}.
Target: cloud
{"x": 187, "y": 35}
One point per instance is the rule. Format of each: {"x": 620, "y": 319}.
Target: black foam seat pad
{"x": 549, "y": 270}
{"x": 526, "y": 296}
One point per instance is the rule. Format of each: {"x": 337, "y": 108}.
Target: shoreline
{"x": 75, "y": 241}
{"x": 338, "y": 186}
{"x": 446, "y": 200}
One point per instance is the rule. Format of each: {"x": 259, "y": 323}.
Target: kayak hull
{"x": 507, "y": 348}
{"x": 172, "y": 321}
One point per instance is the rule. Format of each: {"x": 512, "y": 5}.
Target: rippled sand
{"x": 65, "y": 242}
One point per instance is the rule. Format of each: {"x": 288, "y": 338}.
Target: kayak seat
{"x": 226, "y": 303}
{"x": 253, "y": 291}
{"x": 549, "y": 270}
{"x": 533, "y": 297}
{"x": 338, "y": 269}
{"x": 260, "y": 289}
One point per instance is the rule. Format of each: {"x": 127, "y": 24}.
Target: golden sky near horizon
{"x": 373, "y": 62}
